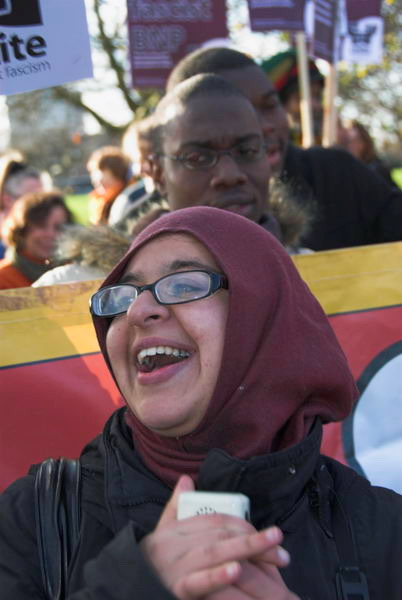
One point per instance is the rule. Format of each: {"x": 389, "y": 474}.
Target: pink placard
{"x": 161, "y": 32}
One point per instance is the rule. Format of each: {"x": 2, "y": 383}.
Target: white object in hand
{"x": 206, "y": 503}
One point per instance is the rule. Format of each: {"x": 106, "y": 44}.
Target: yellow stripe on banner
{"x": 53, "y": 322}
{"x": 353, "y": 279}
{"x": 46, "y": 322}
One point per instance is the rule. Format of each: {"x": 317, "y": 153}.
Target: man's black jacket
{"x": 351, "y": 204}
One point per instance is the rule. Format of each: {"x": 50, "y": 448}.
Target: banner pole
{"x": 305, "y": 93}
{"x": 330, "y": 113}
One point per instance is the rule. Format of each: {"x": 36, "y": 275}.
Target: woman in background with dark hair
{"x": 30, "y": 232}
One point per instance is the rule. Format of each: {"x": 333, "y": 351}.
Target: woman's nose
{"x": 145, "y": 310}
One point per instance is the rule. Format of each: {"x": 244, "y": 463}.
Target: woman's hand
{"x": 215, "y": 556}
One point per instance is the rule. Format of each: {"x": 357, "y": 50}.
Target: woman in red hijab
{"x": 229, "y": 367}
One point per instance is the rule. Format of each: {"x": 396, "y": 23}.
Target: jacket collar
{"x": 275, "y": 483}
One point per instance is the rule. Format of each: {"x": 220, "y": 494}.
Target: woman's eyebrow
{"x": 131, "y": 278}
{"x": 138, "y": 278}
{"x": 185, "y": 264}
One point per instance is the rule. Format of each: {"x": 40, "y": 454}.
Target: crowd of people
{"x": 219, "y": 100}
{"x": 226, "y": 362}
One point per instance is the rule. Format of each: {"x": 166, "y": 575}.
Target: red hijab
{"x": 282, "y": 365}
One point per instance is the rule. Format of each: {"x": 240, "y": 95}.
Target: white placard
{"x": 43, "y": 43}
{"x": 364, "y": 42}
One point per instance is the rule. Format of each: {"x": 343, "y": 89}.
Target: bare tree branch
{"x": 75, "y": 98}
{"x": 109, "y": 49}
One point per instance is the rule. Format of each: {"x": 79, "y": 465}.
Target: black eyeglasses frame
{"x": 217, "y": 282}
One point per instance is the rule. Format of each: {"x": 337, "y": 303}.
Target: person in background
{"x": 283, "y": 72}
{"x": 31, "y": 231}
{"x": 360, "y": 143}
{"x": 135, "y": 200}
{"x": 16, "y": 179}
{"x": 110, "y": 172}
{"x": 208, "y": 153}
{"x": 210, "y": 150}
{"x": 90, "y": 253}
{"x": 352, "y": 210}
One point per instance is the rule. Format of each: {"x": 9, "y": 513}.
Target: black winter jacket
{"x": 298, "y": 489}
{"x": 350, "y": 203}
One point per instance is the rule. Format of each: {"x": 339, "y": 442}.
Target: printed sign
{"x": 283, "y": 15}
{"x": 161, "y": 32}
{"x": 363, "y": 43}
{"x": 324, "y": 29}
{"x": 43, "y": 43}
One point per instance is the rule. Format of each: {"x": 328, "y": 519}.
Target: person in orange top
{"x": 110, "y": 171}
{"x": 31, "y": 231}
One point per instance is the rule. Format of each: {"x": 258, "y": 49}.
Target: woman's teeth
{"x": 161, "y": 350}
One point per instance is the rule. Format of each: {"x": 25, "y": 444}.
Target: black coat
{"x": 297, "y": 488}
{"x": 350, "y": 203}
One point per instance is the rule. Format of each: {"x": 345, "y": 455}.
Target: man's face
{"x": 255, "y": 85}
{"x": 292, "y": 107}
{"x": 235, "y": 182}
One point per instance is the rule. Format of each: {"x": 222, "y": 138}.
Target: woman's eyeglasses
{"x": 177, "y": 288}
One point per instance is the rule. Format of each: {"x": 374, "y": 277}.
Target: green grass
{"x": 78, "y": 204}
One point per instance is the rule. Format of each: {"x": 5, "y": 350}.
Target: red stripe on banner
{"x": 80, "y": 396}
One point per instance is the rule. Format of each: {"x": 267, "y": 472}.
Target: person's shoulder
{"x": 52, "y": 277}
{"x": 361, "y": 498}
{"x": 128, "y": 198}
{"x": 329, "y": 155}
{"x": 308, "y": 160}
{"x": 18, "y": 500}
{"x": 69, "y": 274}
{"x": 5, "y": 264}
{"x": 11, "y": 277}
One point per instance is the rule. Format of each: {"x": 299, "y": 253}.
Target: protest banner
{"x": 43, "y": 43}
{"x": 57, "y": 392}
{"x": 364, "y": 40}
{"x": 161, "y": 32}
{"x": 360, "y": 289}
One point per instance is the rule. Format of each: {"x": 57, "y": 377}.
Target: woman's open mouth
{"x": 157, "y": 357}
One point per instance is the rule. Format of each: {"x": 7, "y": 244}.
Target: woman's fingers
{"x": 263, "y": 544}
{"x": 184, "y": 484}
{"x": 203, "y": 583}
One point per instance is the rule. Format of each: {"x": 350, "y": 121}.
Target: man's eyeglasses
{"x": 205, "y": 158}
{"x": 177, "y": 288}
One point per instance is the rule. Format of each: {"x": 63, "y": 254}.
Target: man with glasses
{"x": 352, "y": 206}
{"x": 210, "y": 150}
